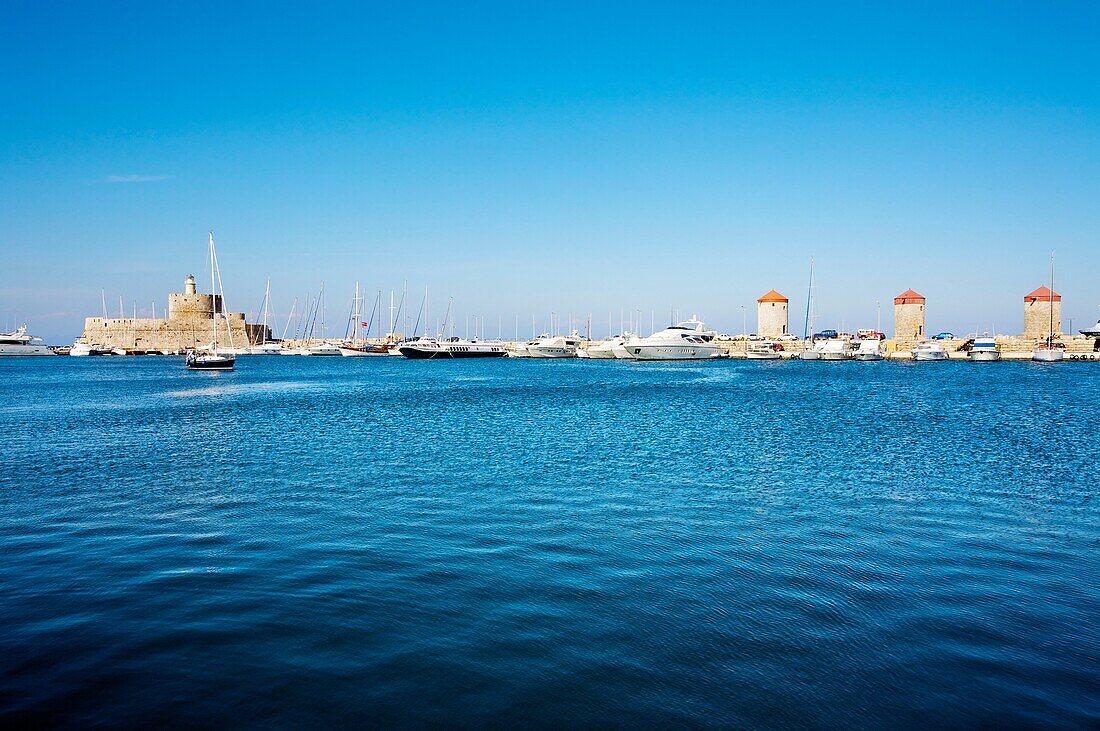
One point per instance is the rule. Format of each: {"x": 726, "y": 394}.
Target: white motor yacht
{"x": 559, "y": 346}
{"x": 425, "y": 348}
{"x": 20, "y": 343}
{"x": 619, "y": 349}
{"x": 869, "y": 349}
{"x": 605, "y": 349}
{"x": 689, "y": 340}
{"x": 984, "y": 349}
{"x": 764, "y": 350}
{"x": 1092, "y": 332}
{"x": 836, "y": 349}
{"x": 929, "y": 350}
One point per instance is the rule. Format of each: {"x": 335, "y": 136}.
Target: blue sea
{"x": 333, "y": 542}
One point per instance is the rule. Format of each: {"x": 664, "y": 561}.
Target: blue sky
{"x": 568, "y": 157}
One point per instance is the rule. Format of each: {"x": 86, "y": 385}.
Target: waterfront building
{"x": 908, "y": 318}
{"x": 1037, "y": 313}
{"x": 772, "y": 315}
{"x": 189, "y": 324}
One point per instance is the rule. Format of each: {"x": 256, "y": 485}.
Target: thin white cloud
{"x": 133, "y": 178}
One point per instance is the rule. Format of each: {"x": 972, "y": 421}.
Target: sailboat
{"x": 356, "y": 348}
{"x": 266, "y": 347}
{"x": 1048, "y": 351}
{"x": 209, "y": 359}
{"x": 810, "y": 352}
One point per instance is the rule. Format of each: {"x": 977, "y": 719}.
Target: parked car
{"x": 944, "y": 336}
{"x": 788, "y": 338}
{"x": 825, "y": 335}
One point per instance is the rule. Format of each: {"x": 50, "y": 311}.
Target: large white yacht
{"x": 425, "y": 348}
{"x": 929, "y": 350}
{"x": 20, "y": 343}
{"x": 689, "y": 340}
{"x": 559, "y": 346}
{"x": 984, "y": 349}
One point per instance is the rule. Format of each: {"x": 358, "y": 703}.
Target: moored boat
{"x": 929, "y": 350}
{"x": 427, "y": 348}
{"x": 836, "y": 349}
{"x": 688, "y": 340}
{"x": 764, "y": 350}
{"x": 984, "y": 349}
{"x": 18, "y": 342}
{"x": 869, "y": 349}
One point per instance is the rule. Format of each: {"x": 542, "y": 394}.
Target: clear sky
{"x": 578, "y": 158}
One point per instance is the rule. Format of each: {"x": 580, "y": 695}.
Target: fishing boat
{"x": 929, "y": 350}
{"x": 210, "y": 358}
{"x": 688, "y": 340}
{"x": 984, "y": 349}
{"x": 18, "y": 342}
{"x": 1049, "y": 350}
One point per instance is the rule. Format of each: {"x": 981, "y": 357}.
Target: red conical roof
{"x": 909, "y": 297}
{"x": 1042, "y": 295}
{"x": 773, "y": 296}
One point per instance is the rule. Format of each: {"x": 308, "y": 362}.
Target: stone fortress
{"x": 190, "y": 324}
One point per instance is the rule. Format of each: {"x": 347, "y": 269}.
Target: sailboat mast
{"x": 806, "y": 334}
{"x": 1050, "y": 302}
{"x": 213, "y": 297}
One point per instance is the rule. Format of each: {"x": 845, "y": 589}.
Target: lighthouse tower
{"x": 771, "y": 315}
{"x": 908, "y": 318}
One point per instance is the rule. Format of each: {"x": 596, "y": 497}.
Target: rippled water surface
{"x": 315, "y": 541}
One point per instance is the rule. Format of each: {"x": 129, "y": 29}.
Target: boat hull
{"x": 367, "y": 352}
{"x": 210, "y": 363}
{"x": 868, "y": 357}
{"x": 416, "y": 353}
{"x": 762, "y": 356}
{"x": 809, "y": 355}
{"x": 928, "y": 357}
{"x": 673, "y": 352}
{"x": 983, "y": 356}
{"x": 25, "y": 350}
{"x": 536, "y": 351}
{"x": 1048, "y": 356}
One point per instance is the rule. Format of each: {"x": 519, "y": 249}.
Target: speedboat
{"x": 869, "y": 349}
{"x": 1049, "y": 351}
{"x": 836, "y": 349}
{"x": 19, "y": 342}
{"x": 984, "y": 349}
{"x": 764, "y": 350}
{"x": 558, "y": 346}
{"x": 425, "y": 348}
{"x": 929, "y": 350}
{"x": 689, "y": 340}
